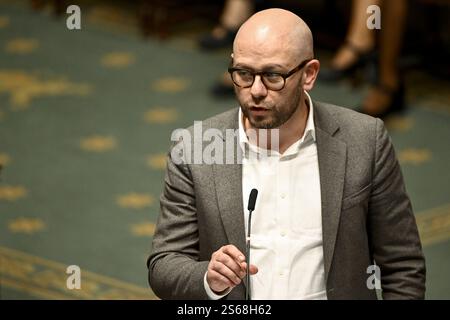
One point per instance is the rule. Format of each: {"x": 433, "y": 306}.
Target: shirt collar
{"x": 310, "y": 130}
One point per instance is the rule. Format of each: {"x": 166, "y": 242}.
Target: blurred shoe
{"x": 394, "y": 101}
{"x": 222, "y": 90}
{"x": 212, "y": 41}
{"x": 362, "y": 58}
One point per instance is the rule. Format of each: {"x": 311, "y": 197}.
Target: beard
{"x": 275, "y": 116}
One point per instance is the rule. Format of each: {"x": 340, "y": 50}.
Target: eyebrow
{"x": 269, "y": 67}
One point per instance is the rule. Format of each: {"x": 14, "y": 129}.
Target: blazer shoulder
{"x": 189, "y": 135}
{"x": 345, "y": 115}
{"x": 221, "y": 121}
{"x": 347, "y": 120}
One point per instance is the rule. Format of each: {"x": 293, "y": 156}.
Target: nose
{"x": 258, "y": 89}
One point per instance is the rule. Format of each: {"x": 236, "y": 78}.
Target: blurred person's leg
{"x": 224, "y": 87}
{"x": 359, "y": 39}
{"x": 359, "y": 45}
{"x": 388, "y": 94}
{"x": 235, "y": 12}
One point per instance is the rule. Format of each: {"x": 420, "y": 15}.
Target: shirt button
{"x": 283, "y": 233}
{"x": 283, "y": 195}
{"x": 281, "y": 273}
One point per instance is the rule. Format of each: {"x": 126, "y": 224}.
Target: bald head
{"x": 270, "y": 31}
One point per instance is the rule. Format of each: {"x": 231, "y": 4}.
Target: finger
{"x": 234, "y": 252}
{"x": 231, "y": 264}
{"x": 253, "y": 268}
{"x": 218, "y": 282}
{"x": 226, "y": 272}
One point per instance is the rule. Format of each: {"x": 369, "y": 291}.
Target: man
{"x": 331, "y": 195}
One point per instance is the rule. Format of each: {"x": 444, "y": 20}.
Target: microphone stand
{"x": 247, "y": 276}
{"x": 250, "y": 208}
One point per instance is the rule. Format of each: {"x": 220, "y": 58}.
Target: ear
{"x": 310, "y": 74}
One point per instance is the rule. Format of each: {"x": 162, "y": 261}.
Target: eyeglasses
{"x": 272, "y": 80}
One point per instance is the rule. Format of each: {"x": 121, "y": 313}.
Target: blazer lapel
{"x": 228, "y": 184}
{"x": 228, "y": 181}
{"x": 332, "y": 155}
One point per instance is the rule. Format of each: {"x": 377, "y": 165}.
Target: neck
{"x": 290, "y": 132}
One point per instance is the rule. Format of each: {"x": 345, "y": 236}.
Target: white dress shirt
{"x": 286, "y": 238}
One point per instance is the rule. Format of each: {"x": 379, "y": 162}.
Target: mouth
{"x": 259, "y": 110}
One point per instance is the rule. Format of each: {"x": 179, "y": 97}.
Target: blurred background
{"x": 86, "y": 117}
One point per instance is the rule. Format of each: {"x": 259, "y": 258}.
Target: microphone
{"x": 250, "y": 208}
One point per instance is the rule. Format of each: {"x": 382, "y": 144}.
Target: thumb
{"x": 253, "y": 269}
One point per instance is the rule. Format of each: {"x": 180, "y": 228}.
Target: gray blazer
{"x": 366, "y": 214}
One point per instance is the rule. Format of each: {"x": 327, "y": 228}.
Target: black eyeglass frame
{"x": 261, "y": 74}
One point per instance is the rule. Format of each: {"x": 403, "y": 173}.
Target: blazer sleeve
{"x": 174, "y": 271}
{"x": 393, "y": 234}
